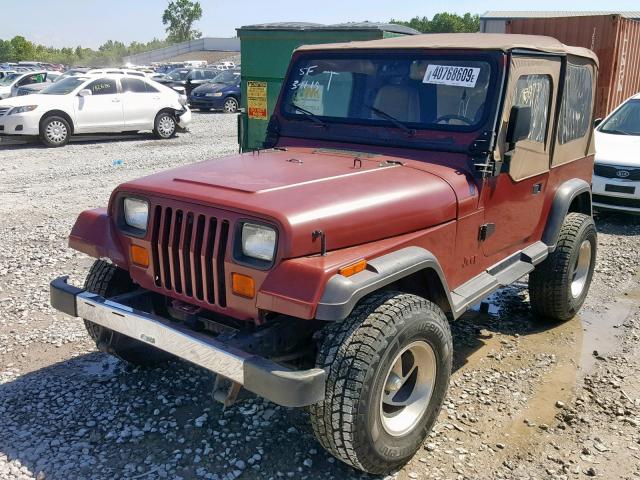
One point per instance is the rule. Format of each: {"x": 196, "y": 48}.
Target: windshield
{"x": 624, "y": 121}
{"x": 9, "y": 79}
{"x": 227, "y": 77}
{"x": 405, "y": 90}
{"x": 64, "y": 86}
{"x": 178, "y": 75}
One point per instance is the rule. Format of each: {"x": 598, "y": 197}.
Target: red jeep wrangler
{"x": 402, "y": 181}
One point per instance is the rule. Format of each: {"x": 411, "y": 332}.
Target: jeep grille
{"x": 188, "y": 254}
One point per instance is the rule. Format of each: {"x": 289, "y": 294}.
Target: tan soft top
{"x": 466, "y": 41}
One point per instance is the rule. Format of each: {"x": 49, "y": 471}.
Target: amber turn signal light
{"x": 353, "y": 268}
{"x": 140, "y": 256}
{"x": 243, "y": 285}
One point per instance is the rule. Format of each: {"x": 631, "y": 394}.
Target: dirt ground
{"x": 528, "y": 400}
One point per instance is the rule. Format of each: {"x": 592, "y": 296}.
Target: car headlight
{"x": 258, "y": 241}
{"x": 183, "y": 100}
{"x": 213, "y": 94}
{"x": 23, "y": 109}
{"x": 136, "y": 213}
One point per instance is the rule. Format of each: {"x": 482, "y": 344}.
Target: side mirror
{"x": 597, "y": 122}
{"x": 85, "y": 92}
{"x": 519, "y": 125}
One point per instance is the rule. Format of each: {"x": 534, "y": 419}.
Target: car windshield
{"x": 405, "y": 90}
{"x": 64, "y": 87}
{"x": 9, "y": 79}
{"x": 625, "y": 120}
{"x": 227, "y": 77}
{"x": 178, "y": 75}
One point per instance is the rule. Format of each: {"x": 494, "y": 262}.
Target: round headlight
{"x": 136, "y": 213}
{"x": 258, "y": 241}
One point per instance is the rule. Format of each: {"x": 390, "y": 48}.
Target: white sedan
{"x": 95, "y": 104}
{"x": 616, "y": 178}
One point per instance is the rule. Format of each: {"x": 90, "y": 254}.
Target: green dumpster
{"x": 266, "y": 50}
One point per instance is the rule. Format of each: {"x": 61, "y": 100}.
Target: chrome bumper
{"x": 290, "y": 388}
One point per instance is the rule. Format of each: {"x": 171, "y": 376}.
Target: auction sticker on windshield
{"x": 451, "y": 75}
{"x": 257, "y": 100}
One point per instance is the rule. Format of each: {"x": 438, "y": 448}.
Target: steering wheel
{"x": 448, "y": 118}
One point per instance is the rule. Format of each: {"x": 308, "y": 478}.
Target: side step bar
{"x": 290, "y": 388}
{"x": 500, "y": 275}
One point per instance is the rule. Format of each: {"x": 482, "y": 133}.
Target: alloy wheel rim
{"x": 166, "y": 126}
{"x": 408, "y": 388}
{"x": 230, "y": 106}
{"x": 56, "y": 131}
{"x": 581, "y": 269}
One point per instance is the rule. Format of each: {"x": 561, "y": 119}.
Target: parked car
{"x": 221, "y": 93}
{"x": 5, "y": 73}
{"x": 95, "y": 104}
{"x": 616, "y": 177}
{"x": 183, "y": 80}
{"x": 52, "y": 77}
{"x": 116, "y": 71}
{"x": 9, "y": 85}
{"x": 403, "y": 180}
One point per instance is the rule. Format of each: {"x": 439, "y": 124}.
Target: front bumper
{"x": 184, "y": 118}
{"x": 20, "y": 124}
{"x": 281, "y": 385}
{"x": 616, "y": 194}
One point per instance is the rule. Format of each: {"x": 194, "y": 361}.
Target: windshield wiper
{"x": 312, "y": 116}
{"x": 410, "y": 131}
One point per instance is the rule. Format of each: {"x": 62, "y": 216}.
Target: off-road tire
{"x": 357, "y": 354}
{"x": 52, "y": 138}
{"x": 108, "y": 280}
{"x": 550, "y": 283}
{"x": 162, "y": 125}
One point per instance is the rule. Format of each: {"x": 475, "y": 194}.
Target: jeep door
{"x": 513, "y": 200}
{"x": 102, "y": 110}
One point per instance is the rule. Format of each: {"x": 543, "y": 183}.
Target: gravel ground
{"x": 526, "y": 400}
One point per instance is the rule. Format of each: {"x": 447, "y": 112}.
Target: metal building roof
{"x": 368, "y": 26}
{"x": 509, "y": 14}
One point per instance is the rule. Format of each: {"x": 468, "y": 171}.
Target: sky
{"x": 61, "y": 23}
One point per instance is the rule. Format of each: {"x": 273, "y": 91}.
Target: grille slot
{"x": 188, "y": 251}
{"x": 610, "y": 171}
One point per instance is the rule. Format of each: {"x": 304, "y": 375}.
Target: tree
{"x": 22, "y": 48}
{"x": 179, "y": 17}
{"x": 444, "y": 23}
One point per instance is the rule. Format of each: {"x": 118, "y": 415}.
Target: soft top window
{"x": 409, "y": 90}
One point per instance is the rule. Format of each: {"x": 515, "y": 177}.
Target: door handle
{"x": 116, "y": 100}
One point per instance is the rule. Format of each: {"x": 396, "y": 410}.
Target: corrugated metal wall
{"x": 616, "y": 41}
{"x": 198, "y": 45}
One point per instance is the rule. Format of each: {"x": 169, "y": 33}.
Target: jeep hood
{"x": 352, "y": 200}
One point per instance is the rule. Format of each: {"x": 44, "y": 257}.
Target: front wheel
{"x": 55, "y": 131}
{"x": 165, "y": 125}
{"x": 108, "y": 280}
{"x": 558, "y": 286}
{"x": 230, "y": 105}
{"x": 388, "y": 367}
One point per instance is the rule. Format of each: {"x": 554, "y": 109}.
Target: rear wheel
{"x": 108, "y": 280}
{"x": 388, "y": 367}
{"x": 230, "y": 105}
{"x": 55, "y": 131}
{"x": 559, "y": 286}
{"x": 165, "y": 125}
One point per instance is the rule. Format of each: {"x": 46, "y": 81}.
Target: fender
{"x": 566, "y": 193}
{"x": 341, "y": 294}
{"x": 94, "y": 234}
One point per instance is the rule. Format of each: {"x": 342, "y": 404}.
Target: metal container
{"x": 616, "y": 41}
{"x": 266, "y": 50}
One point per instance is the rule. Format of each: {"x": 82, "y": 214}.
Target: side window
{"x": 575, "y": 111}
{"x": 133, "y": 85}
{"x": 104, "y": 86}
{"x": 150, "y": 88}
{"x": 534, "y": 91}
{"x": 209, "y": 74}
